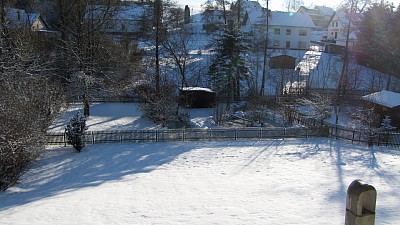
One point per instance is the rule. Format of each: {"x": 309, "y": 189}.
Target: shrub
{"x": 75, "y": 131}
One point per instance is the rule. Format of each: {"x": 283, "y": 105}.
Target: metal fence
{"x": 94, "y": 137}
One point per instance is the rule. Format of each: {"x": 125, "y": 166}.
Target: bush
{"x": 75, "y": 131}
{"x": 159, "y": 106}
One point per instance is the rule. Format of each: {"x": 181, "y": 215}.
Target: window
{"x": 276, "y": 43}
{"x": 277, "y": 31}
{"x": 288, "y": 31}
{"x": 287, "y": 44}
{"x": 302, "y": 33}
{"x": 337, "y": 23}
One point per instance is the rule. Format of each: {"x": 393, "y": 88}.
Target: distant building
{"x": 287, "y": 30}
{"x": 290, "y": 30}
{"x": 385, "y": 103}
{"x": 20, "y": 19}
{"x": 197, "y": 97}
{"x": 320, "y": 15}
{"x": 338, "y": 27}
{"x": 127, "y": 20}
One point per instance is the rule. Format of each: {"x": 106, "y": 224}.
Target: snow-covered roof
{"x": 385, "y": 98}
{"x": 18, "y": 18}
{"x": 343, "y": 17}
{"x": 327, "y": 11}
{"x": 132, "y": 12}
{"x": 291, "y": 19}
{"x": 254, "y": 11}
{"x": 196, "y": 89}
{"x": 129, "y": 12}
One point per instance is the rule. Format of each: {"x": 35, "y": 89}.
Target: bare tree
{"x": 293, "y": 5}
{"x": 29, "y": 98}
{"x": 177, "y": 45}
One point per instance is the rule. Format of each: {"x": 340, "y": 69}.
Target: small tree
{"x": 386, "y": 124}
{"x": 76, "y": 130}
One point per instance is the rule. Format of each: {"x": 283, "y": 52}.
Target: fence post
{"x": 284, "y": 133}
{"x": 379, "y": 139}
{"x": 183, "y": 134}
{"x": 360, "y": 204}
{"x": 120, "y": 136}
{"x": 235, "y": 134}
{"x": 65, "y": 139}
{"x": 93, "y": 140}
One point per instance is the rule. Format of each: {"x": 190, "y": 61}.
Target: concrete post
{"x": 360, "y": 204}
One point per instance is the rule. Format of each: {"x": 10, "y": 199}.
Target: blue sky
{"x": 273, "y": 4}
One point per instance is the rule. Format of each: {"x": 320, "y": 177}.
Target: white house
{"x": 288, "y": 30}
{"x": 338, "y": 26}
{"x": 320, "y": 15}
{"x": 20, "y": 19}
{"x": 121, "y": 20}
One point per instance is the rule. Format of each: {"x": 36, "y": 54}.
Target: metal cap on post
{"x": 360, "y": 204}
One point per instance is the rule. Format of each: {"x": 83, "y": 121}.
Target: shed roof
{"x": 385, "y": 98}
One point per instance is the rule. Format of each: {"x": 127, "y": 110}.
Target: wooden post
{"x": 360, "y": 204}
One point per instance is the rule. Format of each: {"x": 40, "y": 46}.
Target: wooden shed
{"x": 197, "y": 97}
{"x": 385, "y": 103}
{"x": 282, "y": 62}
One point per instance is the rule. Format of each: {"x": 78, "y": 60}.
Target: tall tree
{"x": 230, "y": 64}
{"x": 84, "y": 53}
{"x": 267, "y": 18}
{"x": 374, "y": 45}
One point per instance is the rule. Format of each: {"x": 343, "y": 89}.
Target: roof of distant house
{"x": 257, "y": 15}
{"x": 291, "y": 19}
{"x": 327, "y": 11}
{"x": 129, "y": 12}
{"x": 196, "y": 89}
{"x": 19, "y": 18}
{"x": 385, "y": 98}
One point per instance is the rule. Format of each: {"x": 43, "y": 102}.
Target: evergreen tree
{"x": 229, "y": 66}
{"x": 75, "y": 131}
{"x": 386, "y": 124}
{"x": 373, "y": 43}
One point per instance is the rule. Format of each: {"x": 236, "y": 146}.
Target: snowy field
{"x": 250, "y": 182}
{"x": 123, "y": 116}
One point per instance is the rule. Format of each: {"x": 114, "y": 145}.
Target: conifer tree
{"x": 229, "y": 64}
{"x": 75, "y": 131}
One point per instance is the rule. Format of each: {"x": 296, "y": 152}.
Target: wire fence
{"x": 385, "y": 138}
{"x": 95, "y": 137}
{"x": 370, "y": 137}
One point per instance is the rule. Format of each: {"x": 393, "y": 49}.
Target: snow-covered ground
{"x": 250, "y": 182}
{"x": 123, "y": 116}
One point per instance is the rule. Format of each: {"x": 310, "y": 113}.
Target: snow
{"x": 124, "y": 116}
{"x": 291, "y": 19}
{"x": 106, "y": 116}
{"x": 244, "y": 182}
{"x": 196, "y": 89}
{"x": 386, "y": 98}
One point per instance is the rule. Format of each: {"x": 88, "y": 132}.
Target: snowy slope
{"x": 254, "y": 182}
